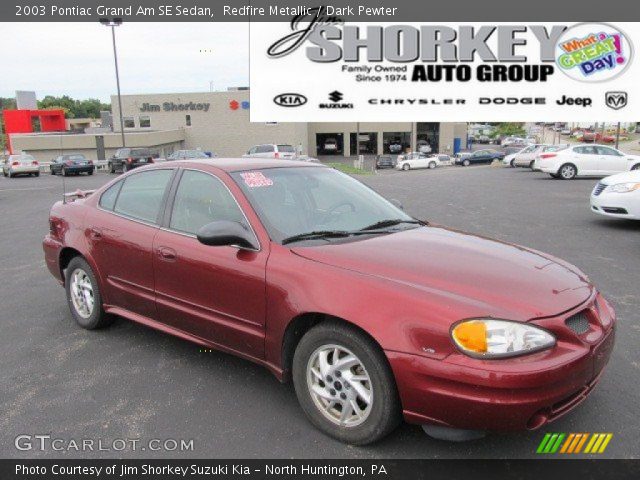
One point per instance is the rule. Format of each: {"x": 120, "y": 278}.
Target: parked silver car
{"x": 22, "y": 164}
{"x": 271, "y": 150}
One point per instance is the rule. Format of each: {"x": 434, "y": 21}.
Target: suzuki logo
{"x": 290, "y": 100}
{"x": 336, "y": 96}
{"x": 616, "y": 100}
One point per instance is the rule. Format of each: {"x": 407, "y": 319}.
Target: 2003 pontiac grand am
{"x": 374, "y": 315}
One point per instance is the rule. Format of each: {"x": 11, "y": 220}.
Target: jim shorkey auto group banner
{"x": 321, "y": 68}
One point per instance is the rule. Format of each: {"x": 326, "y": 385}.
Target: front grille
{"x": 616, "y": 210}
{"x": 599, "y": 188}
{"x": 578, "y": 323}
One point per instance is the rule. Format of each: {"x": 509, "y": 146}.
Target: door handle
{"x": 166, "y": 253}
{"x": 95, "y": 233}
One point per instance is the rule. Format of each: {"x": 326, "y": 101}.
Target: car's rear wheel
{"x": 37, "y": 174}
{"x": 53, "y": 172}
{"x": 125, "y": 168}
{"x": 344, "y": 384}
{"x": 568, "y": 171}
{"x": 83, "y": 296}
{"x": 466, "y": 162}
{"x": 432, "y": 165}
{"x": 531, "y": 164}
{"x": 406, "y": 167}
{"x": 112, "y": 168}
{"x": 512, "y": 163}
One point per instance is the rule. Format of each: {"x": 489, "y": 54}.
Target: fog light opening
{"x": 537, "y": 420}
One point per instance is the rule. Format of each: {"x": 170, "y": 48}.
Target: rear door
{"x": 586, "y": 158}
{"x": 121, "y": 234}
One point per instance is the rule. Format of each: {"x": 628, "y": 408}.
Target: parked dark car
{"x": 127, "y": 158}
{"x": 254, "y": 256}
{"x": 385, "y": 161}
{"x": 71, "y": 164}
{"x": 480, "y": 156}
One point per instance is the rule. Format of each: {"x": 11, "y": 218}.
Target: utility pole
{"x": 116, "y": 22}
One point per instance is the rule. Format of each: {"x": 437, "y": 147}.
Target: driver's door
{"x": 213, "y": 293}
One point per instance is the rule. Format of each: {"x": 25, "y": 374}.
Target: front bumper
{"x": 617, "y": 205}
{"x": 518, "y": 393}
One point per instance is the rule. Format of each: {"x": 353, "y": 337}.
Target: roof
{"x": 241, "y": 164}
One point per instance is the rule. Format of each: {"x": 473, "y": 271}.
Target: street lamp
{"x": 116, "y": 22}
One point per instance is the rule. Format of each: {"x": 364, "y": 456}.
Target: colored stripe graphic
{"x": 573, "y": 443}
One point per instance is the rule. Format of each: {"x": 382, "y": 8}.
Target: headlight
{"x": 487, "y": 338}
{"x": 623, "y": 187}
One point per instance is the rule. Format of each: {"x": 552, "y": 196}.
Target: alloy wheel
{"x": 82, "y": 293}
{"x": 339, "y": 385}
{"x": 568, "y": 172}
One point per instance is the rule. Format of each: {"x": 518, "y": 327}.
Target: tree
{"x": 509, "y": 129}
{"x": 89, "y": 108}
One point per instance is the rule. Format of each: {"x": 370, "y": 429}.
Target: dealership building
{"x": 218, "y": 122}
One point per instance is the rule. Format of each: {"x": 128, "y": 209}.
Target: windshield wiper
{"x": 391, "y": 223}
{"x": 317, "y": 234}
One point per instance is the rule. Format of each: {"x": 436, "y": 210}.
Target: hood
{"x": 632, "y": 176}
{"x": 495, "y": 278}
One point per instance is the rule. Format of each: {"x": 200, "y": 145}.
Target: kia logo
{"x": 290, "y": 100}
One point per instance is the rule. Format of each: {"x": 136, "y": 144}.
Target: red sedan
{"x": 374, "y": 315}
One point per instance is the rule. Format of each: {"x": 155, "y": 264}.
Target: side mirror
{"x": 226, "y": 233}
{"x": 397, "y": 203}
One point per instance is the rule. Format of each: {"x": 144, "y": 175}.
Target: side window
{"x": 608, "y": 151}
{"x": 108, "y": 198}
{"x": 201, "y": 199}
{"x": 252, "y": 150}
{"x": 265, "y": 149}
{"x": 580, "y": 150}
{"x": 141, "y": 195}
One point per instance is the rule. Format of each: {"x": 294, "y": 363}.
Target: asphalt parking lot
{"x": 131, "y": 382}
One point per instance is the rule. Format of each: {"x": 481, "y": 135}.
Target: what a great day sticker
{"x": 593, "y": 52}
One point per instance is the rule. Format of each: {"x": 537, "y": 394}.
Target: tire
{"x": 64, "y": 172}
{"x": 125, "y": 168}
{"x": 10, "y": 175}
{"x": 636, "y": 167}
{"x": 53, "y": 172}
{"x": 37, "y": 174}
{"x": 90, "y": 172}
{"x": 568, "y": 171}
{"x": 377, "y": 418}
{"x": 112, "y": 168}
{"x": 432, "y": 165}
{"x": 466, "y": 162}
{"x": 531, "y": 164}
{"x": 406, "y": 167}
{"x": 512, "y": 163}
{"x": 89, "y": 314}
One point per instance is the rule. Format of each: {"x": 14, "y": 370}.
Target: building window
{"x": 187, "y": 119}
{"x": 129, "y": 122}
{"x": 145, "y": 121}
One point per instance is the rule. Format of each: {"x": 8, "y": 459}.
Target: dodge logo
{"x": 290, "y": 100}
{"x": 616, "y": 100}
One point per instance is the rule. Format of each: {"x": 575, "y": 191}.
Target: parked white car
{"x": 586, "y": 161}
{"x": 618, "y": 196}
{"x": 415, "y": 160}
{"x": 527, "y": 157}
{"x": 271, "y": 150}
{"x": 511, "y": 141}
{"x": 20, "y": 165}
{"x": 330, "y": 145}
{"x": 423, "y": 146}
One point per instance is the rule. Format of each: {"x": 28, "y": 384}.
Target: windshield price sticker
{"x": 256, "y": 179}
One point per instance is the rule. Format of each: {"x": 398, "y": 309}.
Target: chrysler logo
{"x": 290, "y": 100}
{"x": 616, "y": 100}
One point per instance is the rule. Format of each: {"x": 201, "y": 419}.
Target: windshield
{"x": 293, "y": 201}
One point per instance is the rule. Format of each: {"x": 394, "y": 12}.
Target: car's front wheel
{"x": 345, "y": 385}
{"x": 466, "y": 163}
{"x": 406, "y": 167}
{"x": 432, "y": 165}
{"x": 83, "y": 295}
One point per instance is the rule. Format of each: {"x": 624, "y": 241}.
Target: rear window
{"x": 75, "y": 157}
{"x": 286, "y": 149}
{"x": 140, "y": 152}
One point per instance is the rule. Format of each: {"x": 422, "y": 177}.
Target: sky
{"x": 76, "y": 59}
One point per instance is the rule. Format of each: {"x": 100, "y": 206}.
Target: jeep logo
{"x": 290, "y": 100}
{"x": 616, "y": 100}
